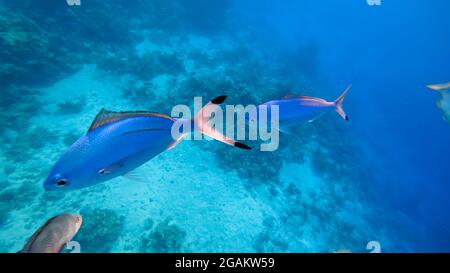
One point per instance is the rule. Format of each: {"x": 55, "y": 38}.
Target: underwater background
{"x": 383, "y": 176}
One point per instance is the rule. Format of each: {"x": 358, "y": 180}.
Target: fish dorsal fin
{"x": 311, "y": 98}
{"x": 303, "y": 97}
{"x": 107, "y": 117}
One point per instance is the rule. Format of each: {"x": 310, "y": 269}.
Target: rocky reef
{"x": 101, "y": 228}
{"x": 164, "y": 237}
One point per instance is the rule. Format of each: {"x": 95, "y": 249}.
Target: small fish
{"x": 440, "y": 86}
{"x": 54, "y": 234}
{"x": 444, "y": 101}
{"x": 119, "y": 142}
{"x": 296, "y": 110}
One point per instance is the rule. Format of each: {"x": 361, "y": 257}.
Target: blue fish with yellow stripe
{"x": 119, "y": 142}
{"x": 294, "y": 110}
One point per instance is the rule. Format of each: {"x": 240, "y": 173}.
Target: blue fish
{"x": 296, "y": 110}
{"x": 444, "y": 101}
{"x": 119, "y": 142}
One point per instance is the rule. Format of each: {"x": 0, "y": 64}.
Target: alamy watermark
{"x": 74, "y": 247}
{"x": 374, "y": 247}
{"x": 73, "y": 2}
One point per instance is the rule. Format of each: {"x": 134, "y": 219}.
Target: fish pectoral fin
{"x": 111, "y": 168}
{"x": 136, "y": 176}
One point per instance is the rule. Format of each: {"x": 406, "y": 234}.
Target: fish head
{"x": 73, "y": 220}
{"x": 64, "y": 179}
{"x": 57, "y": 181}
{"x": 78, "y": 221}
{"x": 74, "y": 170}
{"x": 66, "y": 225}
{"x": 69, "y": 220}
{"x": 54, "y": 234}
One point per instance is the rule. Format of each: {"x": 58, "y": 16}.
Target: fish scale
{"x": 119, "y": 142}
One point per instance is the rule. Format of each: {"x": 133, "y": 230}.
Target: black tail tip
{"x": 346, "y": 118}
{"x": 242, "y": 146}
{"x": 219, "y": 99}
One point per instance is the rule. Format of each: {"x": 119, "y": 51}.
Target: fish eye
{"x": 62, "y": 183}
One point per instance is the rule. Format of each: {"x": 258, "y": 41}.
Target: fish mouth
{"x": 78, "y": 221}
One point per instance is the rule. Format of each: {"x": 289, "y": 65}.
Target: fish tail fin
{"x": 439, "y": 87}
{"x": 339, "y": 101}
{"x": 201, "y": 122}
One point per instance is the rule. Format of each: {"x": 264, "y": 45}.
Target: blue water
{"x": 383, "y": 176}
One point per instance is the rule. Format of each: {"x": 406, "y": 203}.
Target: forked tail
{"x": 439, "y": 87}
{"x": 201, "y": 121}
{"x": 339, "y": 101}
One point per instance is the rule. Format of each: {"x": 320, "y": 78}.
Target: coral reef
{"x": 28, "y": 143}
{"x": 6, "y": 196}
{"x": 268, "y": 240}
{"x": 71, "y": 107}
{"x": 39, "y": 63}
{"x": 100, "y": 230}
{"x": 18, "y": 99}
{"x": 143, "y": 67}
{"x": 164, "y": 237}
